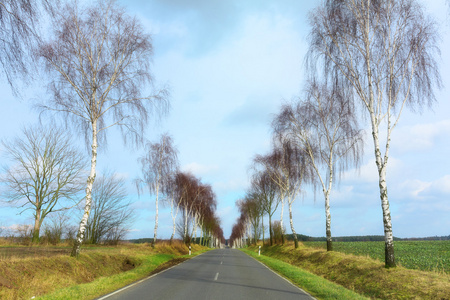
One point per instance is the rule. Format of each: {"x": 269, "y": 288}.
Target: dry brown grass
{"x": 364, "y": 275}
{"x": 41, "y": 273}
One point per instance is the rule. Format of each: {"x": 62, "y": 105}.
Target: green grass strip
{"x": 315, "y": 285}
{"x": 104, "y": 285}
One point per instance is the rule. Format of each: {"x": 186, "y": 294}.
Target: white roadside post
{"x": 259, "y": 251}
{"x": 189, "y": 250}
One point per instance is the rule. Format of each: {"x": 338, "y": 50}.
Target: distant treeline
{"x": 141, "y": 241}
{"x": 364, "y": 238}
{"x": 305, "y": 238}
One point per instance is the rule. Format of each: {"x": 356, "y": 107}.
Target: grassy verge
{"x": 97, "y": 271}
{"x": 362, "y": 274}
{"x": 315, "y": 285}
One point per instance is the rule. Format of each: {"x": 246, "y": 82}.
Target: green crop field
{"x": 421, "y": 255}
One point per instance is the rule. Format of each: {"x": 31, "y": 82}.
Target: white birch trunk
{"x": 185, "y": 224}
{"x": 263, "y": 229}
{"x": 387, "y": 222}
{"x": 87, "y": 207}
{"x": 328, "y": 221}
{"x": 194, "y": 227}
{"x": 327, "y": 206}
{"x": 292, "y": 224}
{"x": 156, "y": 217}
{"x": 174, "y": 217}
{"x": 281, "y": 219}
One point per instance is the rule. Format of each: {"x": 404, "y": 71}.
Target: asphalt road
{"x": 217, "y": 274}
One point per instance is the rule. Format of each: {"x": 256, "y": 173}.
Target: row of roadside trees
{"x": 97, "y": 65}
{"x": 367, "y": 61}
{"x": 181, "y": 191}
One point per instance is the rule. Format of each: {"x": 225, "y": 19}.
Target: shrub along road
{"x": 216, "y": 274}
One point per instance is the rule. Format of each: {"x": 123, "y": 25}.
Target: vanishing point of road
{"x": 217, "y": 274}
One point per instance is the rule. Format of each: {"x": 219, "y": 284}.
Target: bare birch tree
{"x": 251, "y": 207}
{"x": 157, "y": 165}
{"x": 100, "y": 59}
{"x": 288, "y": 168}
{"x": 185, "y": 189}
{"x": 324, "y": 127}
{"x": 385, "y": 51}
{"x": 170, "y": 190}
{"x": 45, "y": 175}
{"x": 266, "y": 190}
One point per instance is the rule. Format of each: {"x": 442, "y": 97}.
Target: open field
{"x": 419, "y": 255}
{"x": 49, "y": 272}
{"x": 362, "y": 274}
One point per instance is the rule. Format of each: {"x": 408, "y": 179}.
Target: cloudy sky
{"x": 230, "y": 65}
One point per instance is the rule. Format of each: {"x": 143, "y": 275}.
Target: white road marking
{"x": 217, "y": 276}
{"x": 142, "y": 280}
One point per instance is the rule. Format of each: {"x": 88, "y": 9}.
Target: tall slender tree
{"x": 266, "y": 190}
{"x": 385, "y": 51}
{"x": 99, "y": 61}
{"x": 325, "y": 128}
{"x": 288, "y": 168}
{"x": 157, "y": 165}
{"x": 170, "y": 190}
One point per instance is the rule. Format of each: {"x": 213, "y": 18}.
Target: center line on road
{"x": 217, "y": 276}
{"x": 221, "y": 262}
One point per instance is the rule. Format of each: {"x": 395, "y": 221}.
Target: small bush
{"x": 277, "y": 232}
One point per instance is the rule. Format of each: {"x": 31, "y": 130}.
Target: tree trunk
{"x": 156, "y": 218}
{"x": 174, "y": 217}
{"x": 87, "y": 207}
{"x": 281, "y": 220}
{"x": 270, "y": 230}
{"x": 37, "y": 226}
{"x": 389, "y": 257}
{"x": 194, "y": 229}
{"x": 201, "y": 233}
{"x": 292, "y": 225}
{"x": 262, "y": 224}
{"x": 185, "y": 225}
{"x": 328, "y": 222}
{"x": 255, "y": 229}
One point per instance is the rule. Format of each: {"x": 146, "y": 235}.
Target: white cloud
{"x": 199, "y": 169}
{"x": 420, "y": 137}
{"x": 439, "y": 187}
{"x": 231, "y": 185}
{"x": 413, "y": 188}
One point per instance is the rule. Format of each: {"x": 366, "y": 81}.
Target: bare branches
{"x": 198, "y": 203}
{"x": 45, "y": 174}
{"x": 111, "y": 213}
{"x": 19, "y": 26}
{"x": 100, "y": 59}
{"x": 158, "y": 164}
{"x": 325, "y": 130}
{"x": 385, "y": 52}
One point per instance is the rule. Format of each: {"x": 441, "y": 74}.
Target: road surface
{"x": 217, "y": 274}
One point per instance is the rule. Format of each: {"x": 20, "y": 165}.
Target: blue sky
{"x": 230, "y": 65}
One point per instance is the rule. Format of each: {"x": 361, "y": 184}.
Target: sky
{"x": 230, "y": 66}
